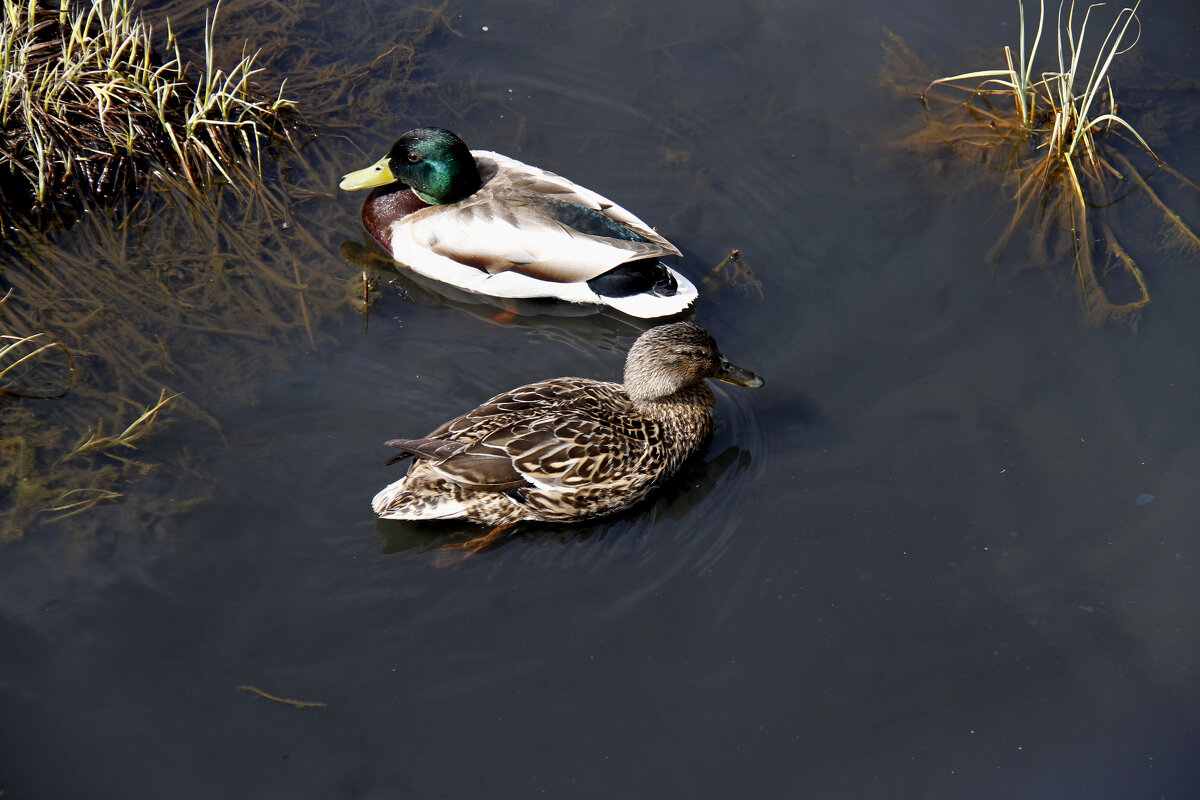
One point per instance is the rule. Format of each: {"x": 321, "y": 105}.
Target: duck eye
{"x": 413, "y": 158}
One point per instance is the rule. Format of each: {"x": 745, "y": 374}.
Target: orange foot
{"x": 472, "y": 546}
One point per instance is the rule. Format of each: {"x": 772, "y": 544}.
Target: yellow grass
{"x": 1048, "y": 133}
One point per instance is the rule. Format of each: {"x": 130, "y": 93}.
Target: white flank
{"x": 513, "y": 284}
{"x": 429, "y": 507}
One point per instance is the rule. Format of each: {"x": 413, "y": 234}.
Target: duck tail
{"x": 655, "y": 301}
{"x": 401, "y": 500}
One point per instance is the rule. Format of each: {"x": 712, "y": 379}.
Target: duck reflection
{"x": 597, "y": 325}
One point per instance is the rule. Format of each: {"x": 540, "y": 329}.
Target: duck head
{"x": 433, "y": 162}
{"x": 668, "y": 358}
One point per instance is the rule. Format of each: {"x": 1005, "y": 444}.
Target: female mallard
{"x": 567, "y": 448}
{"x": 491, "y": 225}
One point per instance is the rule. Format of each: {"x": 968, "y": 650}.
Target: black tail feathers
{"x": 636, "y": 277}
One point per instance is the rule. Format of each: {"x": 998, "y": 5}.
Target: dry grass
{"x": 169, "y": 308}
{"x": 90, "y": 109}
{"x": 1053, "y": 136}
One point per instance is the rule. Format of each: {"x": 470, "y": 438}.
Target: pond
{"x": 948, "y": 550}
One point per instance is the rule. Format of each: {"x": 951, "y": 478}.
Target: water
{"x": 918, "y": 563}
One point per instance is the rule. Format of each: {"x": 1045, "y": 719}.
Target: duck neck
{"x": 696, "y": 394}
{"x": 686, "y": 416}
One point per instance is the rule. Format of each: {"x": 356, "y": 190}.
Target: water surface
{"x": 949, "y": 550}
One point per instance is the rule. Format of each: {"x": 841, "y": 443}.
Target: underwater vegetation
{"x": 1057, "y": 139}
{"x": 140, "y": 295}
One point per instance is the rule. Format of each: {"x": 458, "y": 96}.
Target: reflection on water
{"x": 913, "y": 564}
{"x": 597, "y": 324}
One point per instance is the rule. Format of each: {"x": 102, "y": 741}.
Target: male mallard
{"x": 567, "y": 448}
{"x": 492, "y": 225}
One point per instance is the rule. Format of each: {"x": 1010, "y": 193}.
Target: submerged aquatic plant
{"x": 89, "y": 108}
{"x": 21, "y": 356}
{"x": 169, "y": 306}
{"x": 1050, "y": 134}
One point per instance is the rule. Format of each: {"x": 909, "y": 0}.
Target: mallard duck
{"x": 567, "y": 449}
{"x": 492, "y": 225}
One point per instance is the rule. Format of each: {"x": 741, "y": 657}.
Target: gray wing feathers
{"x": 540, "y": 435}
{"x": 478, "y": 465}
{"x": 504, "y": 227}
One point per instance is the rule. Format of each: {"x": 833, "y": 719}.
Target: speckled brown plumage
{"x": 568, "y": 448}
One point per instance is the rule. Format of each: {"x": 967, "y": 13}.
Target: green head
{"x": 432, "y": 161}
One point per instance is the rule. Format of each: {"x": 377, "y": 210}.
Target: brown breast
{"x": 385, "y": 205}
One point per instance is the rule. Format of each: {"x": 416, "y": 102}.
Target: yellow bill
{"x": 378, "y": 174}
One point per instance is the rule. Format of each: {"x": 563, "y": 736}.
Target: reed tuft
{"x": 91, "y": 109}
{"x": 127, "y": 338}
{"x": 1051, "y": 135}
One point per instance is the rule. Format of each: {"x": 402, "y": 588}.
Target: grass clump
{"x": 89, "y": 108}
{"x": 170, "y": 307}
{"x": 1053, "y": 136}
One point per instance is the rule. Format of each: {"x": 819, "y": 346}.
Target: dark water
{"x": 949, "y": 550}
